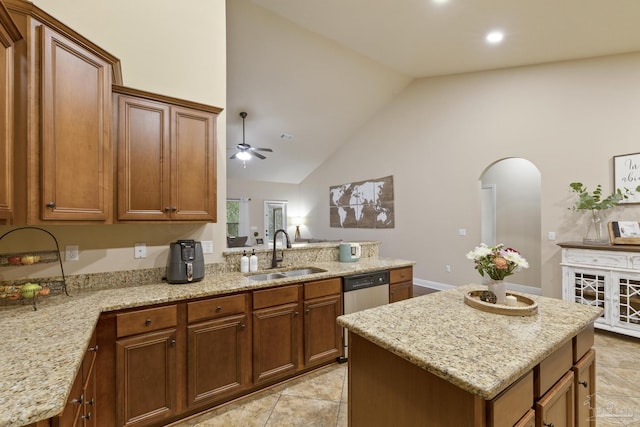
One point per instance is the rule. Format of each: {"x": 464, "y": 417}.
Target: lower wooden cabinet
{"x": 585, "y": 390}
{"x": 276, "y": 333}
{"x": 556, "y": 407}
{"x": 528, "y": 420}
{"x": 219, "y": 349}
{"x": 322, "y": 334}
{"x": 400, "y": 284}
{"x": 80, "y": 408}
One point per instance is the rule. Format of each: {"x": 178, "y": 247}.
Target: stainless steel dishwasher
{"x": 362, "y": 291}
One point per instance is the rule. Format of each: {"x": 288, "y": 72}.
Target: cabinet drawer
{"x": 215, "y": 307}
{"x": 401, "y": 275}
{"x": 275, "y": 296}
{"x": 595, "y": 258}
{"x": 551, "y": 369}
{"x": 147, "y": 320}
{"x": 512, "y": 404}
{"x": 322, "y": 288}
{"x": 582, "y": 343}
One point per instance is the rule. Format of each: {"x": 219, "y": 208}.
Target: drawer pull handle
{"x": 218, "y": 308}
{"x": 547, "y": 424}
{"x": 583, "y": 383}
{"x": 147, "y": 322}
{"x": 93, "y": 348}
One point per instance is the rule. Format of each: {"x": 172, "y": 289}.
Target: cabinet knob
{"x": 242, "y": 326}
{"x": 90, "y": 402}
{"x": 583, "y": 383}
{"x": 218, "y": 308}
{"x": 51, "y": 205}
{"x": 173, "y": 208}
{"x": 307, "y": 311}
{"x": 78, "y": 400}
{"x": 173, "y": 342}
{"x": 167, "y": 209}
{"x": 547, "y": 424}
{"x": 86, "y": 417}
{"x": 93, "y": 348}
{"x": 147, "y": 322}
{"x": 295, "y": 313}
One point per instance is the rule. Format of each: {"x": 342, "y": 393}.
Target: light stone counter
{"x": 480, "y": 352}
{"x": 41, "y": 351}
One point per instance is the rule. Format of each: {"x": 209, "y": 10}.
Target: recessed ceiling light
{"x": 495, "y": 37}
{"x": 286, "y": 136}
{"x": 440, "y": 1}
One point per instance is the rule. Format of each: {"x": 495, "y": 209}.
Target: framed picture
{"x": 626, "y": 174}
{"x": 624, "y": 232}
{"x": 259, "y": 241}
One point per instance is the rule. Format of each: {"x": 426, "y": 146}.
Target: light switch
{"x": 462, "y": 231}
{"x": 552, "y": 235}
{"x": 207, "y": 246}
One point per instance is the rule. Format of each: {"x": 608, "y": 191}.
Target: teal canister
{"x": 349, "y": 252}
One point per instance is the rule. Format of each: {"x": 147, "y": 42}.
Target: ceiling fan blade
{"x": 258, "y": 155}
{"x": 261, "y": 149}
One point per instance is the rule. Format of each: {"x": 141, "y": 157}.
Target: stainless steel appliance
{"x": 362, "y": 291}
{"x": 185, "y": 263}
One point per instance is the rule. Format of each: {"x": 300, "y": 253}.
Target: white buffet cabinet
{"x": 606, "y": 276}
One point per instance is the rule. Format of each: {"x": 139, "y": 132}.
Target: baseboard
{"x": 444, "y": 286}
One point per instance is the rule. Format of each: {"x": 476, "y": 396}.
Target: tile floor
{"x": 319, "y": 399}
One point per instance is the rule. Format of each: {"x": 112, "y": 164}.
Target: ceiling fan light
{"x": 243, "y": 155}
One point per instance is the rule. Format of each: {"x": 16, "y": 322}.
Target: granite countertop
{"x": 480, "y": 352}
{"x": 42, "y": 350}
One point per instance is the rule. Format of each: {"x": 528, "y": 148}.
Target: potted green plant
{"x": 595, "y": 203}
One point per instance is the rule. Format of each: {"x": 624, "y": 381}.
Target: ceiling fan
{"x": 245, "y": 151}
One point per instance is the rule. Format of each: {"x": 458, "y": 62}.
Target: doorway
{"x": 275, "y": 218}
{"x": 511, "y": 213}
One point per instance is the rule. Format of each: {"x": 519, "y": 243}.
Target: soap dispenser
{"x": 244, "y": 263}
{"x": 253, "y": 261}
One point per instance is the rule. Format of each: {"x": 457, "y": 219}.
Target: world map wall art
{"x": 364, "y": 204}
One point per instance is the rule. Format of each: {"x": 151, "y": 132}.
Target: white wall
{"x": 172, "y": 48}
{"x": 438, "y": 136}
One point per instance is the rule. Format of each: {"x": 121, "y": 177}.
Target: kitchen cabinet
{"x": 62, "y": 127}
{"x": 146, "y": 366}
{"x": 400, "y": 284}
{"x": 166, "y": 157}
{"x": 322, "y": 334}
{"x": 555, "y": 408}
{"x": 585, "y": 390}
{"x": 605, "y": 276}
{"x": 9, "y": 34}
{"x": 219, "y": 348}
{"x": 80, "y": 408}
{"x": 276, "y": 333}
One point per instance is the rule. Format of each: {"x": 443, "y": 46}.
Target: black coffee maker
{"x": 185, "y": 263}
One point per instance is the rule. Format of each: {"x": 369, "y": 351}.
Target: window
{"x": 233, "y": 217}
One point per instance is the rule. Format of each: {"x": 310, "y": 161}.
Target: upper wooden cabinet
{"x": 9, "y": 34}
{"x": 166, "y": 151}
{"x": 63, "y": 149}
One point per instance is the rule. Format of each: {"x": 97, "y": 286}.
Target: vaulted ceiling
{"x": 310, "y": 73}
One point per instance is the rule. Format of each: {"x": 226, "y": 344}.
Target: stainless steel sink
{"x": 303, "y": 271}
{"x": 284, "y": 274}
{"x": 266, "y": 276}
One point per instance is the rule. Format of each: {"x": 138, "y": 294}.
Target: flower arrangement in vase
{"x": 595, "y": 203}
{"x": 497, "y": 262}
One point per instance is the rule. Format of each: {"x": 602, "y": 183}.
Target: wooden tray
{"x": 526, "y": 306}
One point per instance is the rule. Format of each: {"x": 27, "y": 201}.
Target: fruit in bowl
{"x": 28, "y": 259}
{"x": 29, "y": 290}
{"x": 14, "y": 260}
{"x": 44, "y": 291}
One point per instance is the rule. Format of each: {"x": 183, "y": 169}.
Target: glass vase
{"x": 597, "y": 233}
{"x": 499, "y": 289}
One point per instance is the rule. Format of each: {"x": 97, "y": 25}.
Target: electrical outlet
{"x": 140, "y": 250}
{"x": 207, "y": 246}
{"x": 448, "y": 268}
{"x": 462, "y": 231}
{"x": 552, "y": 235}
{"x": 71, "y": 253}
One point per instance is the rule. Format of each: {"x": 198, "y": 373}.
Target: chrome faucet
{"x": 275, "y": 259}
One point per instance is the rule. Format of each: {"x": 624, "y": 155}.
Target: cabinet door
{"x": 89, "y": 405}
{"x": 143, "y": 159}
{"x": 586, "y": 286}
{"x": 219, "y": 359}
{"x": 275, "y": 342}
{"x": 6, "y": 126}
{"x": 146, "y": 378}
{"x": 585, "y": 390}
{"x": 625, "y": 298}
{"x": 193, "y": 165}
{"x": 76, "y": 132}
{"x": 556, "y": 407}
{"x": 322, "y": 334}
{"x": 400, "y": 291}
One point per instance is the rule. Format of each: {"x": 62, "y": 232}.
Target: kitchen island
{"x": 435, "y": 361}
